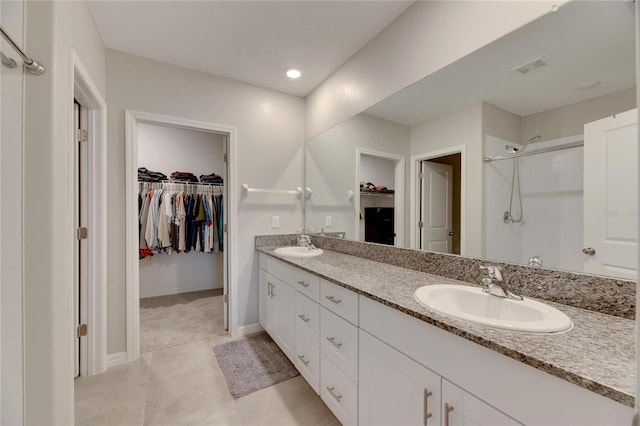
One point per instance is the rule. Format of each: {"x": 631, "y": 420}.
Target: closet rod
{"x": 537, "y": 151}
{"x": 32, "y": 66}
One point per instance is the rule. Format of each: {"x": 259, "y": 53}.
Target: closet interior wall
{"x": 167, "y": 149}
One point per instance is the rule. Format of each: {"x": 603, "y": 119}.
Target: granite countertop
{"x": 597, "y": 354}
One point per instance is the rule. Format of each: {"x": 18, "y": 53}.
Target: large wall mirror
{"x": 425, "y": 168}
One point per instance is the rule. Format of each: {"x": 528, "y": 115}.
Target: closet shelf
{"x": 377, "y": 194}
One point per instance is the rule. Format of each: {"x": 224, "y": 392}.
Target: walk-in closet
{"x": 181, "y": 200}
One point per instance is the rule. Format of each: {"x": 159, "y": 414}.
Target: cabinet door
{"x": 264, "y": 308}
{"x": 284, "y": 296}
{"x": 394, "y": 389}
{"x": 462, "y": 408}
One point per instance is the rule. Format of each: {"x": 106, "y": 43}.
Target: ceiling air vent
{"x": 530, "y": 65}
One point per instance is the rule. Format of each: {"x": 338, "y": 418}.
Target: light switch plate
{"x": 328, "y": 220}
{"x": 275, "y": 222}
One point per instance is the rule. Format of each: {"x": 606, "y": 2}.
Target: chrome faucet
{"x": 305, "y": 241}
{"x": 495, "y": 285}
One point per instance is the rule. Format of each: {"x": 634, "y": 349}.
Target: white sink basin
{"x": 472, "y": 304}
{"x": 298, "y": 251}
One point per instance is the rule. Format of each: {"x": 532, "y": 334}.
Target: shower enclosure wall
{"x": 552, "y": 205}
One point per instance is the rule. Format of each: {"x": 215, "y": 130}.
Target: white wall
{"x": 167, "y": 149}
{"x": 570, "y": 119}
{"x": 428, "y": 36}
{"x": 270, "y": 137}
{"x": 52, "y": 30}
{"x": 330, "y": 164}
{"x": 11, "y": 333}
{"x": 378, "y": 171}
{"x": 463, "y": 127}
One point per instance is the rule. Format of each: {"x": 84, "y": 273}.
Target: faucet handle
{"x": 493, "y": 271}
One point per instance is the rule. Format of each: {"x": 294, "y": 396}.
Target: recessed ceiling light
{"x": 293, "y": 73}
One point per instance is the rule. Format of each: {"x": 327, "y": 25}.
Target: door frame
{"x": 86, "y": 92}
{"x": 398, "y": 198}
{"x": 132, "y": 276}
{"x": 414, "y": 191}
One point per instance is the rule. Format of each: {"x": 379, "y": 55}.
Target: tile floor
{"x": 184, "y": 385}
{"x": 177, "y": 319}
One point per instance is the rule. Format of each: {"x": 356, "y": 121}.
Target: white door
{"x": 284, "y": 297}
{"x": 394, "y": 389}
{"x": 82, "y": 250}
{"x": 611, "y": 196}
{"x": 436, "y": 207}
{"x": 460, "y": 408}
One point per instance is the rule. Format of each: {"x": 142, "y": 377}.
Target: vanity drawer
{"x": 307, "y": 318}
{"x": 339, "y": 343}
{"x": 307, "y": 361}
{"x": 338, "y": 392}
{"x": 339, "y": 300}
{"x": 307, "y": 284}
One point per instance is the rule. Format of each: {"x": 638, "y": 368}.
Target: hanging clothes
{"x": 178, "y": 218}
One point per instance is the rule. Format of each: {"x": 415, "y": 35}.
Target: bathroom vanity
{"x": 376, "y": 356}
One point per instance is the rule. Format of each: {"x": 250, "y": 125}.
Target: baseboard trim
{"x": 116, "y": 359}
{"x": 246, "y": 330}
{"x": 145, "y": 294}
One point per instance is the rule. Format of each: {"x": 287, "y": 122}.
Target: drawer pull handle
{"x": 333, "y": 299}
{"x": 304, "y": 361}
{"x": 427, "y": 414}
{"x": 332, "y": 340}
{"x": 303, "y": 284}
{"x": 334, "y": 394}
{"x": 447, "y": 409}
{"x": 304, "y": 318}
{"x": 269, "y": 288}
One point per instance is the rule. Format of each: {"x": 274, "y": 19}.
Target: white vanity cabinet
{"x": 374, "y": 365}
{"x": 395, "y": 389}
{"x": 483, "y": 386}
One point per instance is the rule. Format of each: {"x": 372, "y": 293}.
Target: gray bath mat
{"x": 252, "y": 364}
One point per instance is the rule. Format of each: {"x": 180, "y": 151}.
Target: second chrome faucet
{"x": 494, "y": 283}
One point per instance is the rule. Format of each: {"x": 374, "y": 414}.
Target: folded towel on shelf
{"x": 212, "y": 178}
{"x": 146, "y": 175}
{"x": 184, "y": 177}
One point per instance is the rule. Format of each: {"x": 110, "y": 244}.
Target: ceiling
{"x": 582, "y": 42}
{"x": 249, "y": 41}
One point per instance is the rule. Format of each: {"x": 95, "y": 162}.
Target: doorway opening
{"x": 182, "y": 265}
{"x": 438, "y": 211}
{"x": 379, "y": 207}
